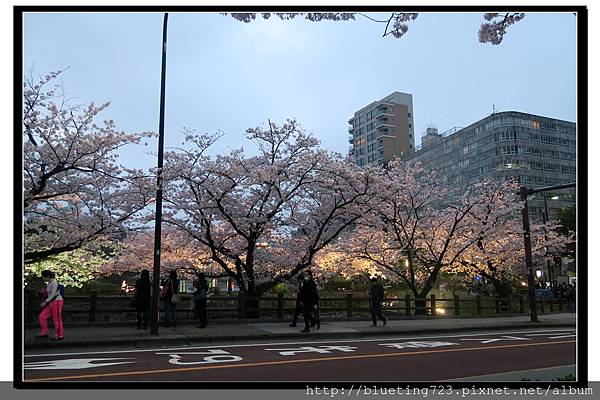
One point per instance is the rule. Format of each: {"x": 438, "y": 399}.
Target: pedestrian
{"x": 51, "y": 305}
{"x": 309, "y": 297}
{"x": 200, "y": 297}
{"x": 377, "y": 294}
{"x": 298, "y": 308}
{"x": 143, "y": 299}
{"x": 170, "y": 296}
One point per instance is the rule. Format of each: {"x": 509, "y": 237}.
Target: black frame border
{"x": 582, "y": 204}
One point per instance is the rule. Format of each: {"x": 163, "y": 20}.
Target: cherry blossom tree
{"x": 500, "y": 259}
{"x": 492, "y": 31}
{"x": 420, "y": 226}
{"x": 74, "y": 192}
{"x": 178, "y": 252}
{"x": 264, "y": 218}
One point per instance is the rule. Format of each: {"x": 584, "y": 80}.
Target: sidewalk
{"x": 255, "y": 330}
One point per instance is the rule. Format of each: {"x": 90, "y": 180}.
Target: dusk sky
{"x": 226, "y": 75}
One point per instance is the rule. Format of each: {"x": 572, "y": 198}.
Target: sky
{"x": 226, "y": 76}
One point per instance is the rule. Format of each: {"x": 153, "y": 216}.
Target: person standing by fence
{"x": 52, "y": 305}
{"x": 170, "y": 296}
{"x": 377, "y": 294}
{"x": 309, "y": 297}
{"x": 200, "y": 297}
{"x": 143, "y": 299}
{"x": 298, "y": 308}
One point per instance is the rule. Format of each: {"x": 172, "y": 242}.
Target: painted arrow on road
{"x": 76, "y": 363}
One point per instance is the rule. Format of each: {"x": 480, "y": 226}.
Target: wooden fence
{"x": 95, "y": 308}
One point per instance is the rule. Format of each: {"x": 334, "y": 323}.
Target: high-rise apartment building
{"x": 382, "y": 130}
{"x": 537, "y": 151}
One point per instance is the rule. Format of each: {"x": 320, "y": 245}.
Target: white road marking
{"x": 563, "y": 336}
{"x": 502, "y": 338}
{"x": 286, "y": 343}
{"x": 214, "y": 356}
{"x": 311, "y": 349}
{"x": 418, "y": 344}
{"x": 76, "y": 363}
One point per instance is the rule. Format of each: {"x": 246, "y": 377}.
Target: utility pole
{"x": 159, "y": 185}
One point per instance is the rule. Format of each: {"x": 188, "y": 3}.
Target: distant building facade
{"x": 382, "y": 130}
{"x": 537, "y": 151}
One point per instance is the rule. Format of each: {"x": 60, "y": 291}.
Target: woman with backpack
{"x": 143, "y": 299}
{"x": 52, "y": 305}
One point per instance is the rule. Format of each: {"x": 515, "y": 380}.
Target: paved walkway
{"x": 220, "y": 333}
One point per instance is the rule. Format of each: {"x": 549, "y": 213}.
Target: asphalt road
{"x": 414, "y": 358}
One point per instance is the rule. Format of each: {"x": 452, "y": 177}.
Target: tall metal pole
{"x": 528, "y": 259}
{"x": 546, "y": 219}
{"x": 159, "y": 183}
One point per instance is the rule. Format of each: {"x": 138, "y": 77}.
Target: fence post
{"x": 93, "y": 305}
{"x": 521, "y": 306}
{"x": 433, "y": 310}
{"x": 478, "y": 305}
{"x": 241, "y": 305}
{"x": 542, "y": 306}
{"x": 407, "y": 305}
{"x": 456, "y": 305}
{"x": 551, "y": 304}
{"x": 560, "y": 304}
{"x": 497, "y": 305}
{"x": 509, "y": 305}
{"x": 349, "y": 305}
{"x": 279, "y": 305}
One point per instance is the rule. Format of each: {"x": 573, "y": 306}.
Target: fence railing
{"x": 95, "y": 308}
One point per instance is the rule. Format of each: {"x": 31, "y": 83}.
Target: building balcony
{"x": 351, "y": 139}
{"x": 384, "y": 106}
{"x": 382, "y": 125}
{"x": 383, "y": 116}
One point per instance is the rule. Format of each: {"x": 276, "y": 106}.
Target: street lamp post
{"x": 528, "y": 259}
{"x": 159, "y": 184}
{"x": 546, "y": 218}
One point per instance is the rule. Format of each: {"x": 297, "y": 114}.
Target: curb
{"x": 194, "y": 340}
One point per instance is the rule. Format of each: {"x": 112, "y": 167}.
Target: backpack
{"x": 61, "y": 290}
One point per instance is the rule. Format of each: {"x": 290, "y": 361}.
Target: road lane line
{"x": 287, "y": 343}
{"x": 264, "y": 363}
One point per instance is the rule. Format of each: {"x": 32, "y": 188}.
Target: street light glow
{"x": 554, "y": 198}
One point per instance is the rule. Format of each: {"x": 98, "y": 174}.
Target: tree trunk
{"x": 420, "y": 306}
{"x": 251, "y": 302}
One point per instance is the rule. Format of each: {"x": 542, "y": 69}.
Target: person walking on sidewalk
{"x": 298, "y": 308}
{"x": 200, "y": 297}
{"x": 309, "y": 297}
{"x": 377, "y": 294}
{"x": 52, "y": 305}
{"x": 170, "y": 295}
{"x": 143, "y": 299}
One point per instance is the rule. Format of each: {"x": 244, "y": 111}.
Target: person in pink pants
{"x": 51, "y": 307}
